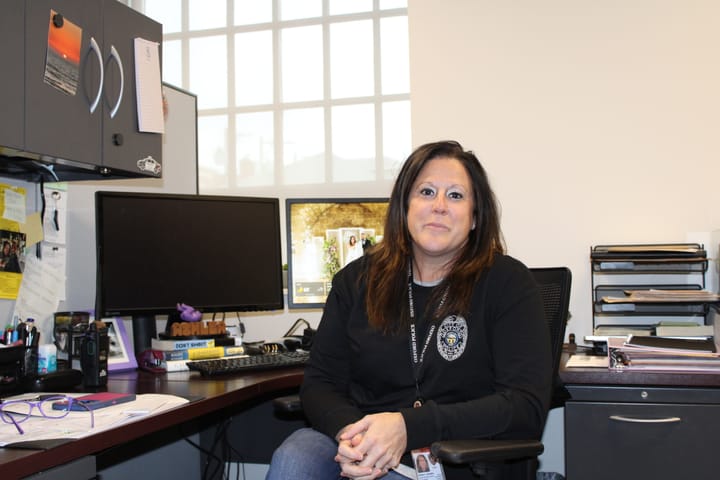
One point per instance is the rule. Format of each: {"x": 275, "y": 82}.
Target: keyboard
{"x": 252, "y": 363}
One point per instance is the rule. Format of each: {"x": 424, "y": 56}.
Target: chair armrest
{"x": 482, "y": 450}
{"x": 288, "y": 404}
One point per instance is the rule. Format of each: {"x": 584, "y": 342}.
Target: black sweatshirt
{"x": 485, "y": 376}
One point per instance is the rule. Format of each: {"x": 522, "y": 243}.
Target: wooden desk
{"x": 632, "y": 425}
{"x": 604, "y": 376}
{"x": 208, "y": 396}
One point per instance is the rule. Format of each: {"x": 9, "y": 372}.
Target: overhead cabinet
{"x": 71, "y": 91}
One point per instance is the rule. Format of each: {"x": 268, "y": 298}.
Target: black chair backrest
{"x": 554, "y": 284}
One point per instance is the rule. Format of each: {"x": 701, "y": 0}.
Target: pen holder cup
{"x": 18, "y": 367}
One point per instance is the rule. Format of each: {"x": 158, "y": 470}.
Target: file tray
{"x": 650, "y": 265}
{"x": 618, "y": 307}
{"x": 649, "y": 258}
{"x": 649, "y": 251}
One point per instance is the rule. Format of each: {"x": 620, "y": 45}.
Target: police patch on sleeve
{"x": 452, "y": 337}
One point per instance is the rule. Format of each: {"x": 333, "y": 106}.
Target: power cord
{"x": 296, "y": 325}
{"x": 220, "y": 464}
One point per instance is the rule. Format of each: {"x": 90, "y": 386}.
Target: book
{"x": 171, "y": 366}
{"x": 203, "y": 352}
{"x": 167, "y": 345}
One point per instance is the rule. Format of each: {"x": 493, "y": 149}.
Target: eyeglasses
{"x": 55, "y": 406}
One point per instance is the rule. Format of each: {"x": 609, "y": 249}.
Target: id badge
{"x": 427, "y": 467}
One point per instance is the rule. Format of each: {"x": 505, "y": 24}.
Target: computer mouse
{"x": 291, "y": 343}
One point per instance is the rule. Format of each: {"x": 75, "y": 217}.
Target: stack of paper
{"x": 663, "y": 354}
{"x": 661, "y": 296}
{"x": 683, "y": 329}
{"x": 39, "y": 428}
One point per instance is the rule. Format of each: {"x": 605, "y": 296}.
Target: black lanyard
{"x": 417, "y": 361}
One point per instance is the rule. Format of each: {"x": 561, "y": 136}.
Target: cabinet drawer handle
{"x": 115, "y": 55}
{"x": 620, "y": 418}
{"x": 96, "y": 48}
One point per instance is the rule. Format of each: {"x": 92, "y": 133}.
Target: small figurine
{"x": 188, "y": 313}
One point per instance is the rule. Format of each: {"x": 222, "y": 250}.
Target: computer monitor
{"x": 323, "y": 235}
{"x": 215, "y": 253}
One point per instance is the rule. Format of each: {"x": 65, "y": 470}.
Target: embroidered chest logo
{"x": 452, "y": 337}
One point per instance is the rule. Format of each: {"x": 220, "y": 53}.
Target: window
{"x": 291, "y": 93}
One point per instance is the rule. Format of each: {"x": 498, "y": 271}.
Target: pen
{"x": 136, "y": 413}
{"x": 29, "y": 327}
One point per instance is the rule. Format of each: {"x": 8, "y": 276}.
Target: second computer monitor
{"x": 324, "y": 235}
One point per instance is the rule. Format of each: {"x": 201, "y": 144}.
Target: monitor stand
{"x": 144, "y": 329}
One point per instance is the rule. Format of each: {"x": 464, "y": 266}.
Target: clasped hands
{"x": 370, "y": 447}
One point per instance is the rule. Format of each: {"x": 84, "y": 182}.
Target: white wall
{"x": 596, "y": 121}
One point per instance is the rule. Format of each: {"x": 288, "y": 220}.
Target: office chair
{"x": 489, "y": 458}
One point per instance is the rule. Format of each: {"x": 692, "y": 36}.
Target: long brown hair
{"x": 387, "y": 274}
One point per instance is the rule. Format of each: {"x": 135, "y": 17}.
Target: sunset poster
{"x": 62, "y": 67}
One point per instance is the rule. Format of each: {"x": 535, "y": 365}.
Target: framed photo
{"x": 324, "y": 235}
{"x": 120, "y": 354}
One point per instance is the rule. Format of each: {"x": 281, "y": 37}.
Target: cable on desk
{"x": 211, "y": 456}
{"x": 296, "y": 325}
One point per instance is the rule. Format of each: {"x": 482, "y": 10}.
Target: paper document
{"x": 149, "y": 86}
{"x": 659, "y": 295}
{"x": 663, "y": 354}
{"x": 600, "y": 361}
{"x": 77, "y": 424}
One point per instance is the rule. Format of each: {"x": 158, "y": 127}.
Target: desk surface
{"x": 605, "y": 376}
{"x": 214, "y": 394}
{"x": 209, "y": 395}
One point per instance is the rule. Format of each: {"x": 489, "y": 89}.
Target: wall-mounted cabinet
{"x": 70, "y": 90}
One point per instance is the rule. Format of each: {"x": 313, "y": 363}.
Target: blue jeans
{"x": 309, "y": 455}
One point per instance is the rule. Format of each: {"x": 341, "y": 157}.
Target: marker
{"x": 136, "y": 413}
